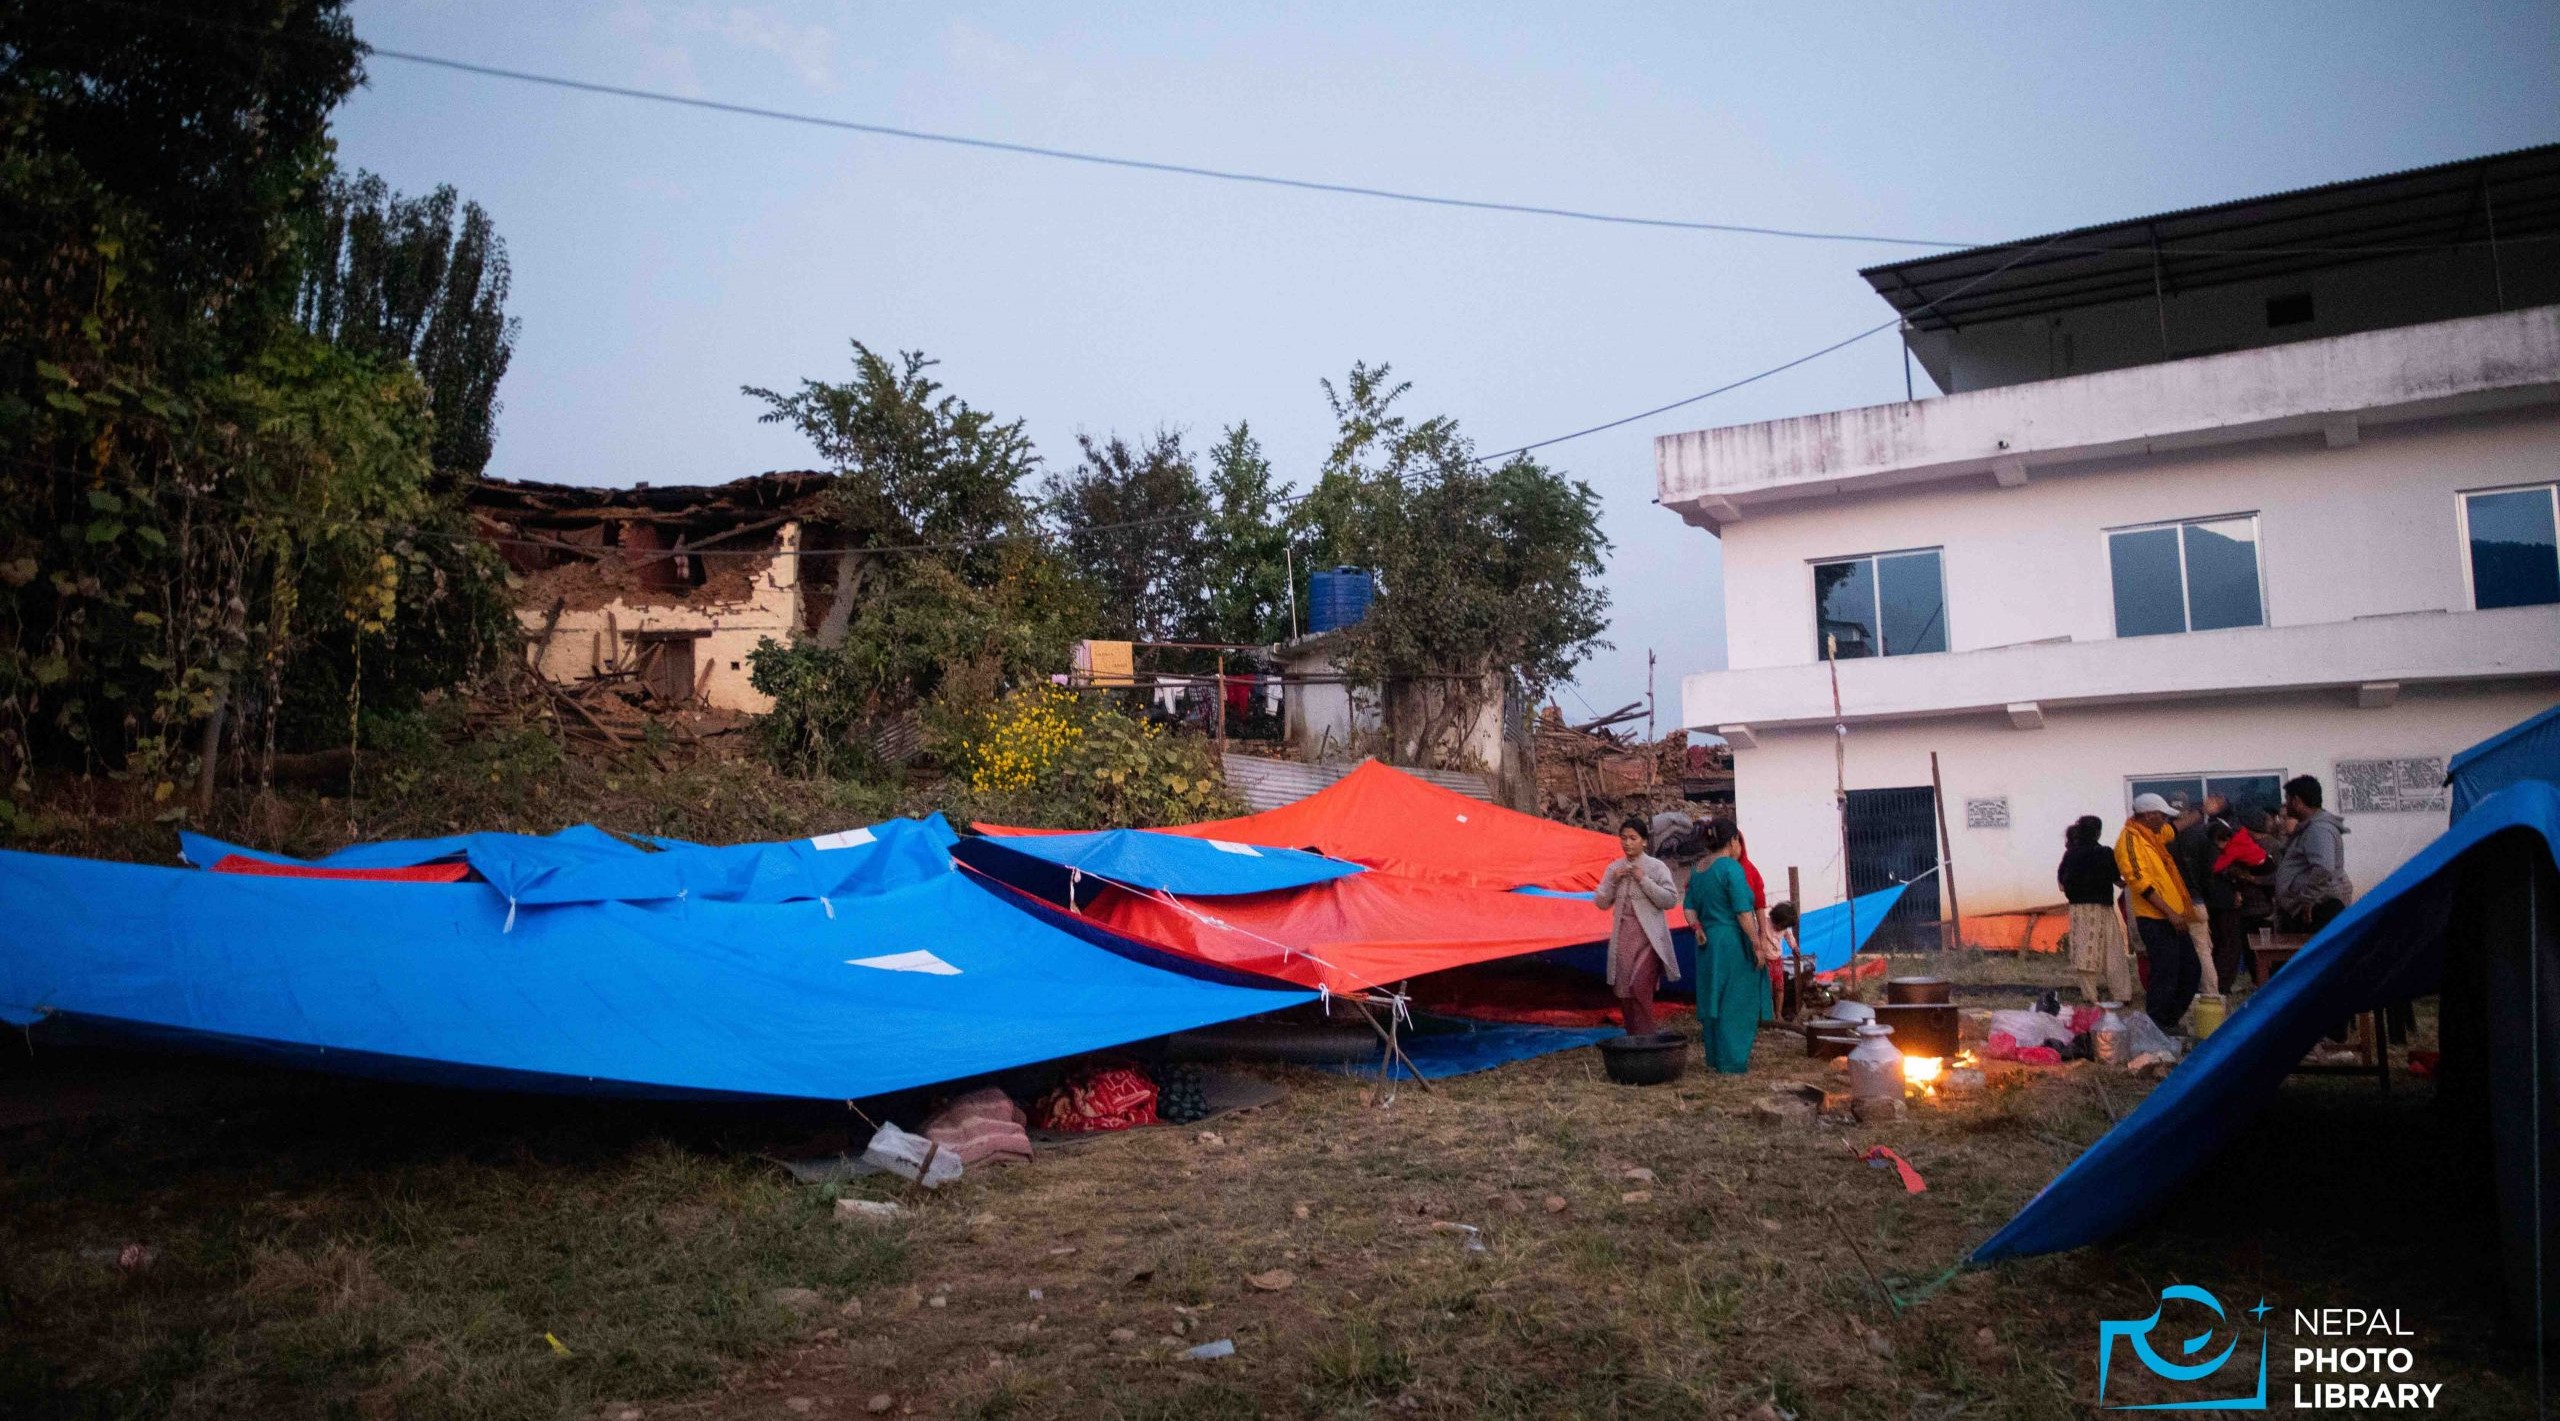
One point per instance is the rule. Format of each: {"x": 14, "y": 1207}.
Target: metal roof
{"x": 2514, "y": 195}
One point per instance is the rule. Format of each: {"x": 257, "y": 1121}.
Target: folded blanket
{"x": 984, "y": 1126}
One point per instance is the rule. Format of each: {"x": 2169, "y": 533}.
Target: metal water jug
{"x": 1875, "y": 1068}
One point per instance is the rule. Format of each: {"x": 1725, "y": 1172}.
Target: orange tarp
{"x": 2041, "y": 931}
{"x": 1368, "y": 930}
{"x": 1385, "y": 819}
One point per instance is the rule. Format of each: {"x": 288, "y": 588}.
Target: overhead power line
{"x": 2021, "y": 255}
{"x": 1234, "y": 175}
{"x": 1190, "y": 170}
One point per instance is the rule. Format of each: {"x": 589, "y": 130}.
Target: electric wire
{"x": 1205, "y": 172}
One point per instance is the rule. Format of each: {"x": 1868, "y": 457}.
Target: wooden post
{"x": 1840, "y": 792}
{"x": 1946, "y": 855}
{"x": 1795, "y": 960}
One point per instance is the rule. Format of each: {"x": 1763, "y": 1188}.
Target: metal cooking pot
{"x": 1919, "y": 991}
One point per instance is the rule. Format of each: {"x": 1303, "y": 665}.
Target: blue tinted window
{"x": 2515, "y": 549}
{"x": 1844, "y": 609}
{"x": 2222, "y": 575}
{"x": 2150, "y": 599}
{"x": 1913, "y": 597}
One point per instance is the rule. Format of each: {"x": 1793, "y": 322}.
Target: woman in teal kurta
{"x": 1733, "y": 980}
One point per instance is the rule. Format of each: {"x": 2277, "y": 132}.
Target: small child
{"x": 1782, "y": 935}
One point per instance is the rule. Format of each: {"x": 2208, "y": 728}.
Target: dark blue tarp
{"x": 2387, "y": 947}
{"x": 2527, "y": 750}
{"x": 1441, "y": 1046}
{"x": 930, "y": 980}
{"x": 1136, "y": 858}
{"x": 583, "y": 864}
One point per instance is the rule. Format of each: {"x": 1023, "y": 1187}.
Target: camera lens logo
{"x": 2203, "y": 1375}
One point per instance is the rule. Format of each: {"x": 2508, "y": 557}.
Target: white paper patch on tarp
{"x": 918, "y": 961}
{"x": 1227, "y": 847}
{"x": 849, "y": 839}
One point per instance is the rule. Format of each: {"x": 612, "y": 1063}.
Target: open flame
{"x": 1922, "y": 1071}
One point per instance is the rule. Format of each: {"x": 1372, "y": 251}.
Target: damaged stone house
{"x": 667, "y": 589}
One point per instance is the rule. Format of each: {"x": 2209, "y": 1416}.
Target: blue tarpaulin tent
{"x": 2527, "y": 750}
{"x": 902, "y": 981}
{"x": 1137, "y": 858}
{"x": 583, "y": 864}
{"x": 2389, "y": 946}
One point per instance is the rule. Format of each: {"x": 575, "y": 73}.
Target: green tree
{"x": 396, "y": 278}
{"x": 943, "y": 596}
{"x": 1131, "y": 522}
{"x": 917, "y": 465}
{"x": 1488, "y": 572}
{"x": 205, "y": 501}
{"x": 1244, "y": 547}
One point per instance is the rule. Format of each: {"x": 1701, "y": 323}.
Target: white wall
{"x": 2350, "y": 532}
{"x": 2077, "y": 764}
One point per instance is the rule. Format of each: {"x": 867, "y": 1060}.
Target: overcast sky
{"x": 664, "y": 257}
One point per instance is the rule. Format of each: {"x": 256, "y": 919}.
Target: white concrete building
{"x": 2212, "y": 499}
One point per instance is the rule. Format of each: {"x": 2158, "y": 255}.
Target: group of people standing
{"x": 1739, "y": 937}
{"x": 2196, "y": 883}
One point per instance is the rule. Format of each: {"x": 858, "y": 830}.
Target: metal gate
{"x": 1893, "y": 838}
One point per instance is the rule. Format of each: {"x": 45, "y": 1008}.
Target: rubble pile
{"x": 1596, "y": 776}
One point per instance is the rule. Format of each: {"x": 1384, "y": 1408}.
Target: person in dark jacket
{"x": 2089, "y": 880}
{"x": 2312, "y": 886}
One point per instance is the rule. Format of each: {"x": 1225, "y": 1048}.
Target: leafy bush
{"x": 1046, "y": 756}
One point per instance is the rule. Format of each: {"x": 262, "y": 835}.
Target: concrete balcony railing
{"x": 2322, "y": 388}
{"x": 2371, "y": 658}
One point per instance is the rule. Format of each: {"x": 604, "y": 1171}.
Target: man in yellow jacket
{"x": 2161, "y": 908}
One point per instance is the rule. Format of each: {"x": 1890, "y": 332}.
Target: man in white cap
{"x": 2162, "y": 907}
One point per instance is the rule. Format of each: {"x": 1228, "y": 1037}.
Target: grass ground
{"x": 328, "y": 1248}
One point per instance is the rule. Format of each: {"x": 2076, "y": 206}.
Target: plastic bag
{"x": 2143, "y": 1037}
{"x": 2032, "y": 1028}
{"x": 912, "y": 1157}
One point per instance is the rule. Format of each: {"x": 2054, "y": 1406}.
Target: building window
{"x": 2513, "y": 537}
{"x": 2249, "y": 792}
{"x": 1890, "y": 604}
{"x": 2186, "y": 577}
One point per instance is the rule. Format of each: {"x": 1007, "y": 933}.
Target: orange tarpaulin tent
{"x": 1350, "y": 934}
{"x": 1385, "y": 819}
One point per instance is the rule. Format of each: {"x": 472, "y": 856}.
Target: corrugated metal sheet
{"x": 1268, "y": 784}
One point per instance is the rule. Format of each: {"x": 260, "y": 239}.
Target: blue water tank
{"x": 1339, "y": 598}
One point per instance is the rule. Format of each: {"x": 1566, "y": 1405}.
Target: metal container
{"x": 1656, "y": 1059}
{"x": 1921, "y": 1029}
{"x": 1875, "y": 1068}
{"x": 1829, "y": 1041}
{"x": 1919, "y": 991}
{"x": 1852, "y": 1012}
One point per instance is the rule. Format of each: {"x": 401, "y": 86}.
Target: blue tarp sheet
{"x": 2387, "y": 947}
{"x": 583, "y": 864}
{"x": 931, "y": 980}
{"x": 1824, "y": 933}
{"x": 2527, "y": 750}
{"x": 1135, "y": 858}
{"x": 1453, "y": 1046}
